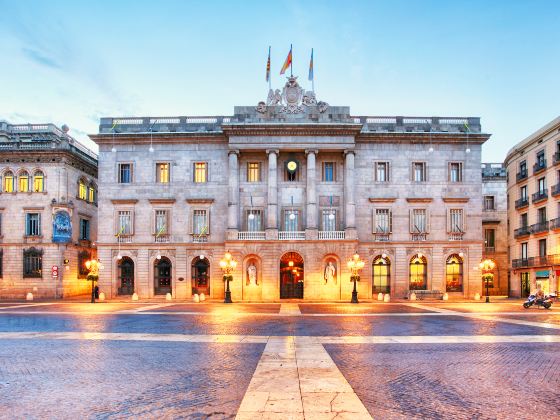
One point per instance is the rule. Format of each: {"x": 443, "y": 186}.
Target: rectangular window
{"x": 456, "y": 220}
{"x": 455, "y": 172}
{"x": 124, "y": 222}
{"x": 32, "y": 263}
{"x": 489, "y": 238}
{"x": 254, "y": 221}
{"x": 200, "y": 222}
{"x": 328, "y": 219}
{"x": 541, "y": 185}
{"x": 91, "y": 195}
{"x": 542, "y": 248}
{"x": 200, "y": 172}
{"x": 382, "y": 171}
{"x": 489, "y": 203}
{"x": 523, "y": 167}
{"x": 383, "y": 222}
{"x": 84, "y": 229}
{"x": 524, "y": 250}
{"x": 523, "y": 193}
{"x": 540, "y": 159}
{"x": 38, "y": 182}
{"x": 253, "y": 172}
{"x": 524, "y": 220}
{"x": 541, "y": 215}
{"x": 162, "y": 173}
{"x": 161, "y": 222}
{"x": 24, "y": 182}
{"x": 328, "y": 171}
{"x": 419, "y": 171}
{"x": 291, "y": 220}
{"x": 125, "y": 173}
{"x": 33, "y": 224}
{"x": 419, "y": 221}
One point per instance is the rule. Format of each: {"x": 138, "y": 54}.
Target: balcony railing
{"x": 382, "y": 237}
{"x": 125, "y": 239}
{"x": 522, "y": 202}
{"x": 556, "y": 158}
{"x": 555, "y": 190}
{"x": 554, "y": 224}
{"x": 520, "y": 262}
{"x": 251, "y": 236}
{"x": 291, "y": 236}
{"x": 540, "y": 196}
{"x": 162, "y": 239}
{"x": 539, "y": 166}
{"x": 536, "y": 261}
{"x": 521, "y": 175}
{"x": 522, "y": 231}
{"x": 539, "y": 227}
{"x": 419, "y": 237}
{"x": 489, "y": 249}
{"x": 199, "y": 239}
{"x": 331, "y": 234}
{"x": 455, "y": 236}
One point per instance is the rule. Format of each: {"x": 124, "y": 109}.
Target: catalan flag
{"x": 287, "y": 63}
{"x": 268, "y": 66}
{"x": 311, "y": 66}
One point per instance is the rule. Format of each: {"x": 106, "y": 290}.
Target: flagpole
{"x": 269, "y": 75}
{"x": 313, "y": 74}
{"x": 291, "y": 62}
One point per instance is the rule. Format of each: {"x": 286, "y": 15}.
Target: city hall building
{"x": 292, "y": 188}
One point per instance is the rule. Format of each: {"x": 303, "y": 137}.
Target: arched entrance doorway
{"x": 291, "y": 276}
{"x": 162, "y": 276}
{"x": 381, "y": 275}
{"x": 126, "y": 276}
{"x": 200, "y": 270}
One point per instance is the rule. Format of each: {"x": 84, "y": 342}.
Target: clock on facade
{"x": 291, "y": 166}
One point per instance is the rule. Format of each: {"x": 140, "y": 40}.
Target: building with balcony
{"x": 534, "y": 211}
{"x": 48, "y": 211}
{"x": 292, "y": 188}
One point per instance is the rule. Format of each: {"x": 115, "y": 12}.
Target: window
{"x": 419, "y": 171}
{"x": 8, "y": 182}
{"x": 200, "y": 222}
{"x": 489, "y": 202}
{"x": 540, "y": 159}
{"x": 200, "y": 172}
{"x": 162, "y": 173}
{"x": 24, "y": 182}
{"x": 32, "y": 263}
{"x": 489, "y": 239}
{"x": 523, "y": 168}
{"x": 291, "y": 220}
{"x": 381, "y": 275}
{"x": 91, "y": 194}
{"x": 124, "y": 226}
{"x": 38, "y": 182}
{"x": 382, "y": 171}
{"x": 542, "y": 248}
{"x": 253, "y": 172}
{"x": 83, "y": 256}
{"x": 524, "y": 251}
{"x": 328, "y": 171}
{"x": 455, "y": 221}
{"x": 328, "y": 219}
{"x": 82, "y": 190}
{"x": 161, "y": 222}
{"x": 454, "y": 274}
{"x": 455, "y": 172}
{"x": 541, "y": 185}
{"x": 1, "y": 261}
{"x": 84, "y": 229}
{"x": 383, "y": 221}
{"x": 418, "y": 273}
{"x": 32, "y": 224}
{"x": 419, "y": 221}
{"x": 523, "y": 193}
{"x": 541, "y": 215}
{"x": 125, "y": 173}
{"x": 254, "y": 221}
{"x": 524, "y": 221}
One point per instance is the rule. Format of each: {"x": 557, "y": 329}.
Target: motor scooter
{"x": 546, "y": 303}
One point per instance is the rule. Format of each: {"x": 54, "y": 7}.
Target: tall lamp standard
{"x": 93, "y": 275}
{"x": 228, "y": 264}
{"x": 355, "y": 265}
{"x": 486, "y": 267}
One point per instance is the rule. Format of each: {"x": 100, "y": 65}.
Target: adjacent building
{"x": 292, "y": 188}
{"x": 533, "y": 167}
{"x": 48, "y": 211}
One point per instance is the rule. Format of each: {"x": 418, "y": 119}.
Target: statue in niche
{"x": 252, "y": 274}
{"x": 330, "y": 273}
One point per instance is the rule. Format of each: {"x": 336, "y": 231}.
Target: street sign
{"x": 54, "y": 271}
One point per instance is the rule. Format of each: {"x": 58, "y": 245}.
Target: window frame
{"x": 195, "y": 172}
{"x": 377, "y": 165}
{"x": 375, "y": 219}
{"x": 459, "y": 173}
{"x": 119, "y": 172}
{"x": 252, "y": 171}
{"x": 424, "y": 171}
{"x": 324, "y": 171}
{"x": 118, "y": 220}
{"x": 28, "y": 230}
{"x": 159, "y": 168}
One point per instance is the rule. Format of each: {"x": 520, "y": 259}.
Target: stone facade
{"x": 396, "y": 187}
{"x": 41, "y": 168}
{"x": 533, "y": 167}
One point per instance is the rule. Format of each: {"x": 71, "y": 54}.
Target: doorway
{"x": 200, "y": 270}
{"x": 162, "y": 276}
{"x": 291, "y": 276}
{"x": 126, "y": 276}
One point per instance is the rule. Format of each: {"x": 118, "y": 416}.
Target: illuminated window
{"x": 8, "y": 182}
{"x": 23, "y": 182}
{"x": 382, "y": 171}
{"x": 125, "y": 173}
{"x": 82, "y": 190}
{"x": 381, "y": 275}
{"x": 418, "y": 273}
{"x": 200, "y": 172}
{"x": 455, "y": 172}
{"x": 38, "y": 182}
{"x": 524, "y": 195}
{"x": 91, "y": 194}
{"x": 162, "y": 173}
{"x": 200, "y": 222}
{"x": 419, "y": 171}
{"x": 329, "y": 172}
{"x": 253, "y": 172}
{"x": 454, "y": 274}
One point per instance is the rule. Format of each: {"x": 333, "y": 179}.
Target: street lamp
{"x": 355, "y": 265}
{"x": 486, "y": 267}
{"x": 93, "y": 275}
{"x": 228, "y": 264}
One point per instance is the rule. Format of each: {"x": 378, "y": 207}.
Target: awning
{"x": 542, "y": 274}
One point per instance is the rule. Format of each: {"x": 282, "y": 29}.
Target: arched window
{"x": 418, "y": 273}
{"x": 23, "y": 181}
{"x": 82, "y": 190}
{"x": 454, "y": 274}
{"x": 92, "y": 193}
{"x": 381, "y": 275}
{"x": 38, "y": 182}
{"x": 8, "y": 182}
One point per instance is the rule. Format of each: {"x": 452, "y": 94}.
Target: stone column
{"x": 272, "y": 208}
{"x": 233, "y": 198}
{"x": 349, "y": 203}
{"x": 311, "y": 202}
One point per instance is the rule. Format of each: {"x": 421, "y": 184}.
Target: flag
{"x": 467, "y": 127}
{"x": 288, "y": 62}
{"x": 311, "y": 66}
{"x": 120, "y": 232}
{"x": 268, "y": 66}
{"x": 115, "y": 123}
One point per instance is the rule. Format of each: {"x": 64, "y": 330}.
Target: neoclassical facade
{"x": 292, "y": 188}
{"x": 48, "y": 211}
{"x": 533, "y": 167}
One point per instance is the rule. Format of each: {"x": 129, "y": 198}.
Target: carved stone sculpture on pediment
{"x": 309, "y": 99}
{"x": 261, "y": 108}
{"x": 274, "y": 98}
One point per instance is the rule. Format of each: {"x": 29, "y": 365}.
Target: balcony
{"x": 419, "y": 237}
{"x": 555, "y": 190}
{"x": 521, "y": 232}
{"x": 330, "y": 235}
{"x": 199, "y": 238}
{"x": 520, "y": 263}
{"x": 251, "y": 236}
{"x": 382, "y": 237}
{"x": 162, "y": 239}
{"x": 455, "y": 236}
{"x": 489, "y": 249}
{"x": 540, "y": 196}
{"x": 556, "y": 158}
{"x": 539, "y": 227}
{"x": 522, "y": 202}
{"x": 536, "y": 261}
{"x": 539, "y": 166}
{"x": 291, "y": 236}
{"x": 521, "y": 175}
{"x": 124, "y": 239}
{"x": 554, "y": 224}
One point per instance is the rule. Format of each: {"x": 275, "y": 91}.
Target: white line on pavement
{"x": 25, "y": 305}
{"x": 289, "y": 309}
{"x": 145, "y": 308}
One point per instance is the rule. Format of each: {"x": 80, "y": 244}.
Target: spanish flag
{"x": 268, "y": 66}
{"x": 288, "y": 62}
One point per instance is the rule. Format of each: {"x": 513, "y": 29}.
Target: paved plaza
{"x": 290, "y": 360}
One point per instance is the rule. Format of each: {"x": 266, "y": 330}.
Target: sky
{"x": 72, "y": 62}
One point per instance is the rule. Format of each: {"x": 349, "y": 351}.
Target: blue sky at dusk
{"x": 75, "y": 61}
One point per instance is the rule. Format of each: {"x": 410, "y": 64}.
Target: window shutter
{"x": 427, "y": 221}
{"x": 411, "y": 220}
{"x": 373, "y": 221}
{"x": 390, "y": 221}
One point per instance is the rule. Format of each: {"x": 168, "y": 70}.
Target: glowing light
{"x": 331, "y": 216}
{"x": 431, "y": 149}
{"x": 292, "y": 216}
{"x": 119, "y": 257}
{"x": 158, "y": 257}
{"x": 290, "y": 264}
{"x": 114, "y": 150}
{"x": 251, "y": 216}
{"x": 383, "y": 255}
{"x": 468, "y": 150}
{"x": 151, "y": 149}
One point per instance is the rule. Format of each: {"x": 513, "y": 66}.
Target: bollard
{"x": 196, "y": 298}
{"x": 380, "y": 296}
{"x": 477, "y": 296}
{"x": 168, "y": 296}
{"x": 135, "y": 296}
{"x": 202, "y": 297}
{"x": 412, "y": 296}
{"x": 387, "y": 298}
{"x": 29, "y": 296}
{"x": 445, "y": 296}
{"x": 101, "y": 296}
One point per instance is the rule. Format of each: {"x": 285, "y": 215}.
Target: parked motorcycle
{"x": 546, "y": 303}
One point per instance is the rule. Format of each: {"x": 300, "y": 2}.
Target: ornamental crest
{"x": 292, "y": 100}
{"x": 292, "y": 95}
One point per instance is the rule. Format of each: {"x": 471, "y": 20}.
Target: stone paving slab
{"x": 221, "y": 308}
{"x": 486, "y": 307}
{"x": 85, "y": 308}
{"x": 348, "y": 308}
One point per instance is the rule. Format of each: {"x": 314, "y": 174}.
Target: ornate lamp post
{"x": 486, "y": 267}
{"x": 93, "y": 275}
{"x": 228, "y": 264}
{"x": 355, "y": 265}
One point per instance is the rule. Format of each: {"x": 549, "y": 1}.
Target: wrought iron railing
{"x": 540, "y": 196}
{"x": 522, "y": 231}
{"x": 539, "y": 227}
{"x": 522, "y": 202}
